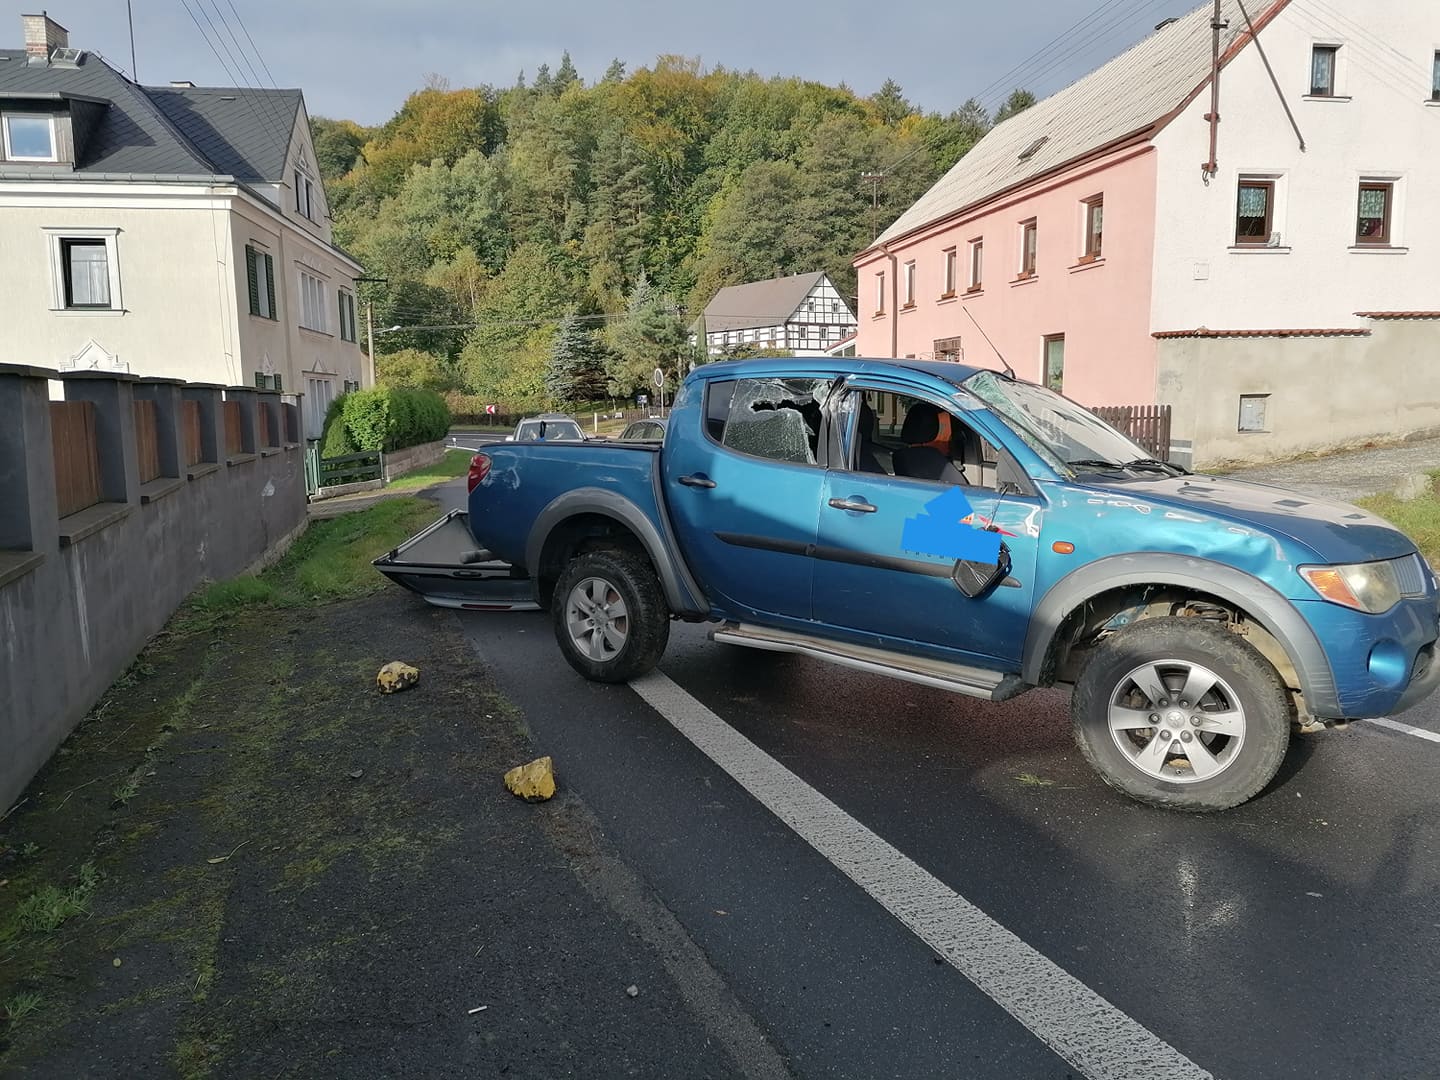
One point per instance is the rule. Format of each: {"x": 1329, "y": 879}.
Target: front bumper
{"x": 1382, "y": 664}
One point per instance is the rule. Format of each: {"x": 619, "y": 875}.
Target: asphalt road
{"x": 1292, "y": 937}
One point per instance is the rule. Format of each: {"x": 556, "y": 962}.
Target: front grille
{"x": 1411, "y": 575}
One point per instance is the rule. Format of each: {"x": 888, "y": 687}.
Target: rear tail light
{"x": 479, "y": 469}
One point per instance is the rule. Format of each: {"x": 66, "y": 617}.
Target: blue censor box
{"x": 940, "y": 530}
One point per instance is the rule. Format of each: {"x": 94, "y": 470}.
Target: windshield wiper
{"x": 1095, "y": 463}
{"x": 1138, "y": 465}
{"x": 1157, "y": 465}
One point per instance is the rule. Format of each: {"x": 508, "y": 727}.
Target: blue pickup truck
{"x": 963, "y": 529}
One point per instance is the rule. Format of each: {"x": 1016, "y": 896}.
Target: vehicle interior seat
{"x": 867, "y": 452}
{"x": 920, "y": 460}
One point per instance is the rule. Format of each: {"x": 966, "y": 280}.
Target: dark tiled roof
{"x": 245, "y": 132}
{"x": 166, "y": 131}
{"x": 758, "y": 303}
{"x": 132, "y": 136}
{"x": 1398, "y": 314}
{"x": 1204, "y": 333}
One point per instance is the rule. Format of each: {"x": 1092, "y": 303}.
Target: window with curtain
{"x": 1322, "y": 70}
{"x": 87, "y": 273}
{"x": 1253, "y": 213}
{"x": 1373, "y": 224}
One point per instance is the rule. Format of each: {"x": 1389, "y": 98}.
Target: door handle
{"x": 859, "y": 506}
{"x": 699, "y": 480}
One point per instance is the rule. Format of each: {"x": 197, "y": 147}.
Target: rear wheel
{"x": 610, "y": 615}
{"x": 1181, "y": 713}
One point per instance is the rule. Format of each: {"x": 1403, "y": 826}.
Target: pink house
{"x": 1089, "y": 240}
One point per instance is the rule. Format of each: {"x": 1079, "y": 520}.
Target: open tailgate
{"x": 442, "y": 564}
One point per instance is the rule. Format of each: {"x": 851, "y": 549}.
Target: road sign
{"x": 659, "y": 378}
{"x": 491, "y": 410}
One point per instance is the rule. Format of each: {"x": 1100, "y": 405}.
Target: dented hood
{"x": 1337, "y": 532}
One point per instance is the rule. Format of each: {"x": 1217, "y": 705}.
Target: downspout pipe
{"x": 1212, "y": 166}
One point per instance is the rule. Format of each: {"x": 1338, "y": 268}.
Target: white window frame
{"x": 54, "y": 135}
{"x": 975, "y": 270}
{"x": 54, "y": 238}
{"x": 318, "y": 387}
{"x": 313, "y": 310}
{"x": 304, "y": 195}
{"x": 345, "y": 305}
{"x": 949, "y": 272}
{"x": 1338, "y": 76}
{"x": 880, "y": 293}
{"x": 909, "y": 279}
{"x": 1396, "y": 180}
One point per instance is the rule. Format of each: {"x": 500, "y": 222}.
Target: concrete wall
{"x": 1102, "y": 307}
{"x": 413, "y": 457}
{"x": 80, "y": 596}
{"x": 1323, "y": 392}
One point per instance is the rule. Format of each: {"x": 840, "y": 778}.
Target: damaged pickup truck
{"x": 962, "y": 529}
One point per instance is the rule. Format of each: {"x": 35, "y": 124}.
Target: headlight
{"x": 1371, "y": 587}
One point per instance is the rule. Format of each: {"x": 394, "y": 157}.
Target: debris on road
{"x": 396, "y": 675}
{"x": 226, "y": 858}
{"x": 534, "y": 782}
{"x": 477, "y": 1009}
{"x": 355, "y": 774}
{"x": 633, "y": 990}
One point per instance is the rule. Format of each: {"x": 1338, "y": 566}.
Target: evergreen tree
{"x": 652, "y": 335}
{"x": 890, "y": 103}
{"x": 566, "y": 75}
{"x": 575, "y": 373}
{"x": 615, "y": 72}
{"x": 1017, "y": 102}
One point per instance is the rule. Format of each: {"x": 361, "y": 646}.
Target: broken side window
{"x": 777, "y": 419}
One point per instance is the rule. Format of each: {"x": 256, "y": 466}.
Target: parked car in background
{"x": 548, "y": 427}
{"x": 649, "y": 430}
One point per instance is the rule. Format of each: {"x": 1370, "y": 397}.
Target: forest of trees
{"x": 554, "y": 242}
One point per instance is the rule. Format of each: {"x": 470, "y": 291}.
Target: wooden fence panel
{"x": 262, "y": 415}
{"x": 194, "y": 449}
{"x": 77, "y": 458}
{"x": 234, "y": 441}
{"x": 1148, "y": 425}
{"x": 147, "y": 440}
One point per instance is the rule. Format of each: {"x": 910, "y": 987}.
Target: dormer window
{"x": 304, "y": 195}
{"x": 29, "y": 138}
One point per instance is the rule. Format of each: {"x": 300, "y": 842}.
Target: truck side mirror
{"x": 975, "y": 579}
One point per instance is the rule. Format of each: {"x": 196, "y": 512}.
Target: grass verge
{"x": 454, "y": 463}
{"x": 331, "y": 561}
{"x": 1417, "y": 518}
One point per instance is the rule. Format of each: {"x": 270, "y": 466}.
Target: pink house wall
{"x": 1103, "y": 308}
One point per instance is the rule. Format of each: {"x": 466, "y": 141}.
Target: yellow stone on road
{"x": 534, "y": 782}
{"x": 396, "y": 676}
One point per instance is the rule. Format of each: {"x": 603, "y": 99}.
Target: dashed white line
{"x": 1396, "y": 725}
{"x": 1090, "y": 1033}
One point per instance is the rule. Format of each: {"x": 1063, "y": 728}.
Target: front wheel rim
{"x": 597, "y": 619}
{"x": 1176, "y": 721}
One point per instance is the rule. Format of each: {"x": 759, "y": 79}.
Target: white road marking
{"x": 1089, "y": 1032}
{"x": 1396, "y": 725}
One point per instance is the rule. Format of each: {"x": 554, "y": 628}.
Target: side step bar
{"x": 958, "y": 678}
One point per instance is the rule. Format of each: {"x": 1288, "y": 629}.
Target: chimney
{"x": 184, "y": 84}
{"x": 43, "y": 35}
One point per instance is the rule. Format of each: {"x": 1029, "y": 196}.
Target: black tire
{"x": 1200, "y": 757}
{"x": 625, "y": 646}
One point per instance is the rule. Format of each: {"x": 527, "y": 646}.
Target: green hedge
{"x": 386, "y": 418}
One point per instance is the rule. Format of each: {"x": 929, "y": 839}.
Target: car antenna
{"x": 1008, "y": 369}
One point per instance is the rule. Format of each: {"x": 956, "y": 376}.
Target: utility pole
{"x": 873, "y": 179}
{"x": 370, "y": 326}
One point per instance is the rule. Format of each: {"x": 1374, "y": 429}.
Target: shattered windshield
{"x": 1057, "y": 429}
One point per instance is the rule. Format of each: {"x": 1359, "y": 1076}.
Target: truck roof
{"x": 782, "y": 366}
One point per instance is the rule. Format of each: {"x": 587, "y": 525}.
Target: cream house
{"x": 167, "y": 231}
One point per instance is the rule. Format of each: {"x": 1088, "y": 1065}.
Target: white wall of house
{"x": 1379, "y": 126}
{"x": 173, "y": 308}
{"x": 177, "y": 284}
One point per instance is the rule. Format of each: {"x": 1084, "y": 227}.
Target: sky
{"x": 360, "y": 59}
